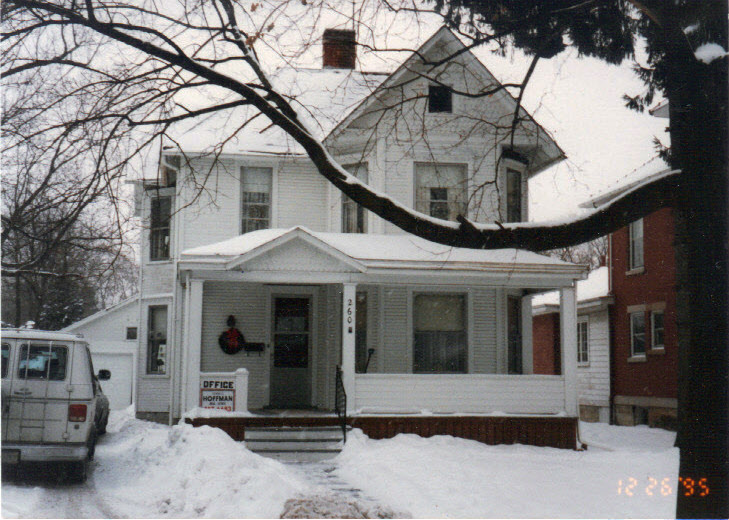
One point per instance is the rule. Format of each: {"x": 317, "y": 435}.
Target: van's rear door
{"x": 7, "y": 352}
{"x": 40, "y": 392}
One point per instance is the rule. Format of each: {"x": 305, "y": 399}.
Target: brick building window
{"x": 635, "y": 245}
{"x": 657, "y": 341}
{"x": 637, "y": 333}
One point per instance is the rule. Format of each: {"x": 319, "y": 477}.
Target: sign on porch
{"x": 218, "y": 390}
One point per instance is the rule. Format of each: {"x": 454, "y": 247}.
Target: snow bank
{"x": 152, "y": 470}
{"x": 455, "y": 478}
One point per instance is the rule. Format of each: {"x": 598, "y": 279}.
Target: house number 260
{"x": 349, "y": 313}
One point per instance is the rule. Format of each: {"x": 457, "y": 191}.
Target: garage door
{"x": 119, "y": 388}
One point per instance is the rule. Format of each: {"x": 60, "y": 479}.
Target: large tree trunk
{"x": 698, "y": 106}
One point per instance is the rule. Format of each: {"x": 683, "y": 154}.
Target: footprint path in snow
{"x": 332, "y": 497}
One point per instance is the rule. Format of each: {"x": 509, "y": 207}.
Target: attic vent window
{"x": 440, "y": 99}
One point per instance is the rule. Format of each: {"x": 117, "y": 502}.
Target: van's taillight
{"x": 77, "y": 412}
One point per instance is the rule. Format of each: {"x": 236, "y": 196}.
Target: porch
{"x": 430, "y": 339}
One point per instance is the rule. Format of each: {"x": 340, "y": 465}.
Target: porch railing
{"x": 340, "y": 401}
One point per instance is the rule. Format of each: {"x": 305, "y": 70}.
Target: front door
{"x": 290, "y": 386}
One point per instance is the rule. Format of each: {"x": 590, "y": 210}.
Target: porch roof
{"x": 368, "y": 253}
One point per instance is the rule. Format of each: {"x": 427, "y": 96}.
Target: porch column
{"x": 568, "y": 334}
{"x": 193, "y": 344}
{"x": 349, "y": 312}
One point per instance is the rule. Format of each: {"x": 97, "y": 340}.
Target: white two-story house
{"x": 246, "y": 234}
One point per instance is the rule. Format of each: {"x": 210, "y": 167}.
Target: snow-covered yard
{"x": 148, "y": 470}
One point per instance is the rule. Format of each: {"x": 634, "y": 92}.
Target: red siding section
{"x": 657, "y": 376}
{"x": 545, "y": 341}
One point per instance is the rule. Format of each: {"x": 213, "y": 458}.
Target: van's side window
{"x": 6, "y": 359}
{"x": 43, "y": 362}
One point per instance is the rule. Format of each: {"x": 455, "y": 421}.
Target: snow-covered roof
{"x": 595, "y": 286}
{"x": 321, "y": 97}
{"x": 99, "y": 314}
{"x": 373, "y": 250}
{"x": 646, "y": 172}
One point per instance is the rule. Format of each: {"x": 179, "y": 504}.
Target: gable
{"x": 400, "y": 104}
{"x": 297, "y": 254}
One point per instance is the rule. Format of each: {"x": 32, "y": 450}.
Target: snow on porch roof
{"x": 595, "y": 286}
{"x": 375, "y": 250}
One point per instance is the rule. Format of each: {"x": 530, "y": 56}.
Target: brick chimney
{"x": 340, "y": 50}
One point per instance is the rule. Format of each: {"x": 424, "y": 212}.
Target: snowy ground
{"x": 147, "y": 470}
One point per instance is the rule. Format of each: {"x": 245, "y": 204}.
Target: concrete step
{"x": 299, "y": 456}
{"x": 295, "y": 445}
{"x": 291, "y": 433}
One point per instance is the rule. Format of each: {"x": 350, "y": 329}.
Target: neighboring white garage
{"x": 112, "y": 336}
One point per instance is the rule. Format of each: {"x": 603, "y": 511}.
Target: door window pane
{"x": 43, "y": 362}
{"x": 6, "y": 358}
{"x": 439, "y": 333}
{"x": 291, "y": 333}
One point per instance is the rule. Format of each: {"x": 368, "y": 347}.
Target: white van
{"x": 53, "y": 408}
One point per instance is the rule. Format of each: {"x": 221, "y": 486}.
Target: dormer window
{"x": 440, "y": 99}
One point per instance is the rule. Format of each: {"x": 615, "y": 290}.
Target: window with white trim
{"x": 159, "y": 228}
{"x": 637, "y": 333}
{"x": 439, "y": 333}
{"x": 657, "y": 331}
{"x": 441, "y": 190}
{"x": 255, "y": 198}
{"x": 635, "y": 246}
{"x": 157, "y": 340}
{"x": 354, "y": 216}
{"x": 583, "y": 348}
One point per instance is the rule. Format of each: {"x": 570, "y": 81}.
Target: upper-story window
{"x": 440, "y": 99}
{"x": 354, "y": 216}
{"x": 513, "y": 195}
{"x": 635, "y": 246}
{"x": 255, "y": 198}
{"x": 170, "y": 169}
{"x": 657, "y": 330}
{"x": 159, "y": 228}
{"x": 441, "y": 190}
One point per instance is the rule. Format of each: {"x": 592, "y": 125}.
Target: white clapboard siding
{"x": 471, "y": 393}
{"x": 248, "y": 303}
{"x": 594, "y": 378}
{"x": 396, "y": 348}
{"x": 484, "y": 328}
{"x": 302, "y": 196}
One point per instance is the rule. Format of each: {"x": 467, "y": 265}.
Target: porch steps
{"x": 295, "y": 444}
